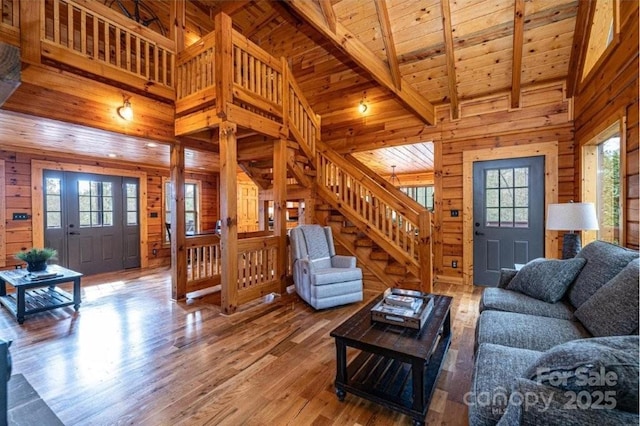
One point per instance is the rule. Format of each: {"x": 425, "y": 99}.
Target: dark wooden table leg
{"x": 3, "y": 288}
{"x": 76, "y": 294}
{"x": 341, "y": 369}
{"x": 417, "y": 376}
{"x": 20, "y": 295}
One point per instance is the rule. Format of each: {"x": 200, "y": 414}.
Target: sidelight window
{"x": 53, "y": 200}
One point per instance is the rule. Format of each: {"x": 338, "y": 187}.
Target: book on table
{"x": 42, "y": 275}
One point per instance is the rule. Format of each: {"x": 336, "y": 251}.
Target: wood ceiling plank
{"x": 451, "y": 65}
{"x": 518, "y": 44}
{"x": 348, "y": 43}
{"x": 387, "y": 37}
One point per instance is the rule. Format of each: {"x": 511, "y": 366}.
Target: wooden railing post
{"x": 178, "y": 234}
{"x": 424, "y": 252}
{"x": 229, "y": 216}
{"x": 280, "y": 206}
{"x": 285, "y": 96}
{"x": 223, "y": 63}
{"x": 31, "y": 23}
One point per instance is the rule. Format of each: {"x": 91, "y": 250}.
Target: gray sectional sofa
{"x": 557, "y": 342}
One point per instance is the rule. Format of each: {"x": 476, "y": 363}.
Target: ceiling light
{"x": 362, "y": 106}
{"x": 393, "y": 179}
{"x": 112, "y": 155}
{"x": 152, "y": 145}
{"x": 125, "y": 111}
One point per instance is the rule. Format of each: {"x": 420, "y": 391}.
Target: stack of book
{"x": 42, "y": 275}
{"x": 403, "y": 307}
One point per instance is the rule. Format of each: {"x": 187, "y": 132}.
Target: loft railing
{"x": 259, "y": 83}
{"x": 203, "y": 266}
{"x": 10, "y": 22}
{"x": 397, "y": 224}
{"x": 93, "y": 38}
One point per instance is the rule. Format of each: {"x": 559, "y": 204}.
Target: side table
{"x": 33, "y": 296}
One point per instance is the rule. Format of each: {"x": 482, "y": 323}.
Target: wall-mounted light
{"x": 125, "y": 111}
{"x": 362, "y": 106}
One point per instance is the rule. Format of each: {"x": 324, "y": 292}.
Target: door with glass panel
{"x": 92, "y": 221}
{"x": 508, "y": 215}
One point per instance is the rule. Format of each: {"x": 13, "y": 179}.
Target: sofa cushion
{"x": 495, "y": 369}
{"x": 613, "y": 309}
{"x": 499, "y": 299}
{"x": 526, "y": 331}
{"x": 335, "y": 275}
{"x": 546, "y": 279}
{"x": 604, "y": 261}
{"x": 545, "y": 405}
{"x": 604, "y": 364}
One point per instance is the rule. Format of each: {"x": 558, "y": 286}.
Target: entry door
{"x": 508, "y": 215}
{"x": 92, "y": 220}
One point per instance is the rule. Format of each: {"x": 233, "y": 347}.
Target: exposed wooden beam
{"x": 229, "y": 6}
{"x": 586, "y": 10}
{"x": 389, "y": 44}
{"x": 518, "y": 41}
{"x": 348, "y": 43}
{"x": 329, "y": 14}
{"x": 260, "y": 23}
{"x": 451, "y": 64}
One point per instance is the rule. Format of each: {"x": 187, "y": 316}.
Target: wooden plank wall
{"x": 545, "y": 116}
{"x": 18, "y": 199}
{"x": 611, "y": 90}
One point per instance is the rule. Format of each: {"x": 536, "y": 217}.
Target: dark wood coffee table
{"x": 31, "y": 297}
{"x": 397, "y": 367}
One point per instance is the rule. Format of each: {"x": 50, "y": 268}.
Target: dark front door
{"x": 508, "y": 215}
{"x": 92, "y": 220}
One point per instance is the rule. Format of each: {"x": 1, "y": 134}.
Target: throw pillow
{"x": 613, "y": 309}
{"x": 589, "y": 368}
{"x": 546, "y": 279}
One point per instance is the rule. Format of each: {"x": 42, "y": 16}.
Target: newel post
{"x": 280, "y": 206}
{"x": 229, "y": 216}
{"x": 223, "y": 67}
{"x": 178, "y": 226}
{"x": 424, "y": 251}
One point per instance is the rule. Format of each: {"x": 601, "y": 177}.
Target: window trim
{"x": 616, "y": 123}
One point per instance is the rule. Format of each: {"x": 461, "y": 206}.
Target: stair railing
{"x": 397, "y": 223}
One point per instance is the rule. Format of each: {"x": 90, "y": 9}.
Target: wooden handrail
{"x": 397, "y": 223}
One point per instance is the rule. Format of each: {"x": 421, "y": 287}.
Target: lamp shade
{"x": 572, "y": 217}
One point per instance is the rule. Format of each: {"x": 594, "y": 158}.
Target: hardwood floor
{"x": 133, "y": 356}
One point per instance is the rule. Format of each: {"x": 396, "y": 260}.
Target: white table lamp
{"x": 571, "y": 217}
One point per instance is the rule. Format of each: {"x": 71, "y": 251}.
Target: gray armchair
{"x": 322, "y": 278}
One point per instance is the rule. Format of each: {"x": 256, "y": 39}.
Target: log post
{"x": 424, "y": 252}
{"x": 229, "y": 216}
{"x": 280, "y": 206}
{"x": 178, "y": 226}
{"x": 223, "y": 63}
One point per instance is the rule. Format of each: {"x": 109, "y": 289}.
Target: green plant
{"x": 36, "y": 255}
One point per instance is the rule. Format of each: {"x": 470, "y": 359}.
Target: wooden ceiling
{"x": 394, "y": 53}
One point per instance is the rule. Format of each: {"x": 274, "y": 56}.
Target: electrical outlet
{"x": 18, "y": 266}
{"x": 454, "y": 263}
{"x": 155, "y": 252}
{"x": 455, "y": 213}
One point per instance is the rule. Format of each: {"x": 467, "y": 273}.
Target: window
{"x": 53, "y": 199}
{"x": 422, "y": 194}
{"x": 131, "y": 196}
{"x": 95, "y": 203}
{"x": 602, "y": 182}
{"x": 507, "y": 197}
{"x": 602, "y": 32}
{"x": 192, "y": 207}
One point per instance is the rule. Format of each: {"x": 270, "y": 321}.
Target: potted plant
{"x": 36, "y": 258}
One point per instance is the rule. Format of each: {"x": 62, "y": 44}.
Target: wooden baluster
{"x": 96, "y": 38}
{"x": 138, "y": 55}
{"x": 127, "y": 50}
{"x": 118, "y": 48}
{"x": 156, "y": 64}
{"x": 147, "y": 60}
{"x": 83, "y": 31}
{"x": 69, "y": 26}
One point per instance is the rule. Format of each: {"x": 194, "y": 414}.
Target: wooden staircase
{"x": 383, "y": 268}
